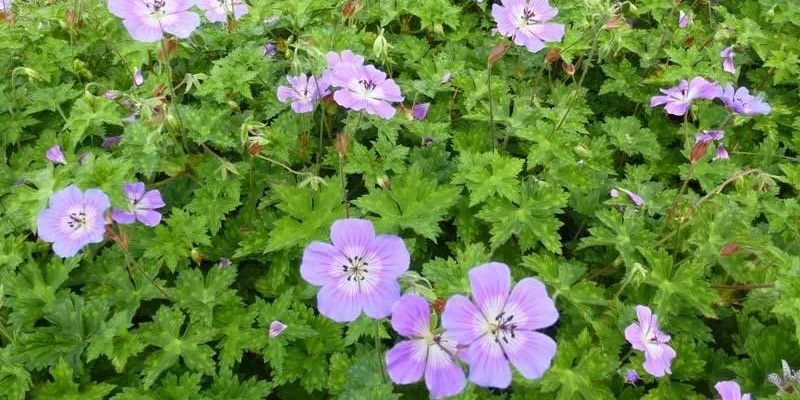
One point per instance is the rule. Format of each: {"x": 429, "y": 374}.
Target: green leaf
{"x": 488, "y": 174}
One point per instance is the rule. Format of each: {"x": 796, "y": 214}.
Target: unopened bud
{"x": 729, "y": 249}
{"x": 380, "y": 47}
{"x": 498, "y": 52}
{"x": 197, "y": 256}
{"x": 384, "y": 182}
{"x": 698, "y": 151}
{"x": 69, "y": 17}
{"x": 615, "y": 22}
{"x": 569, "y": 69}
{"x": 351, "y": 8}
{"x": 342, "y": 143}
{"x": 552, "y": 56}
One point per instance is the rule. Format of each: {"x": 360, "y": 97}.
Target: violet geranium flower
{"x": 500, "y": 328}
{"x": 425, "y": 353}
{"x": 647, "y": 337}
{"x": 730, "y": 390}
{"x": 727, "y": 60}
{"x": 110, "y": 141}
{"x": 73, "y": 220}
{"x": 635, "y": 198}
{"x": 217, "y": 10}
{"x": 679, "y": 98}
{"x": 55, "y": 155}
{"x": 147, "y": 20}
{"x": 276, "y": 328}
{"x": 741, "y": 102}
{"x": 141, "y": 206}
{"x": 304, "y": 91}
{"x": 365, "y": 88}
{"x": 631, "y": 376}
{"x": 420, "y": 111}
{"x": 683, "y": 19}
{"x": 525, "y": 22}
{"x": 357, "y": 272}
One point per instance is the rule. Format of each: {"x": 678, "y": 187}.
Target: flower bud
{"x": 69, "y": 18}
{"x": 498, "y": 52}
{"x": 342, "y": 143}
{"x": 729, "y": 249}
{"x": 615, "y": 22}
{"x": 351, "y": 8}
{"x": 384, "y": 182}
{"x": 552, "y": 56}
{"x": 698, "y": 151}
{"x": 569, "y": 68}
{"x": 380, "y": 47}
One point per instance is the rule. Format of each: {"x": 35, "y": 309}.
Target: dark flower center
{"x": 503, "y": 327}
{"x": 77, "y": 220}
{"x": 356, "y": 268}
{"x": 367, "y": 84}
{"x": 528, "y": 16}
{"x": 156, "y": 5}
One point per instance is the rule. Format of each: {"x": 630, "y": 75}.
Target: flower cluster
{"x": 525, "y": 22}
{"x": 676, "y": 100}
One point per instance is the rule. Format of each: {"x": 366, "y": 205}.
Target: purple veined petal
{"x": 505, "y": 25}
{"x": 683, "y": 19}
{"x": 320, "y": 261}
{"x": 443, "y": 376}
{"x": 634, "y": 336}
{"x": 123, "y": 217}
{"x": 635, "y": 198}
{"x": 302, "y": 107}
{"x": 67, "y": 248}
{"x": 542, "y": 10}
{"x": 645, "y": 315}
{"x": 729, "y": 390}
{"x": 721, "y": 153}
{"x": 352, "y": 235}
{"x": 180, "y": 24}
{"x": 491, "y": 284}
{"x": 530, "y": 352}
{"x": 285, "y": 93}
{"x": 389, "y": 255}
{"x": 134, "y": 190}
{"x": 700, "y": 88}
{"x": 411, "y": 316}
{"x": 488, "y": 366}
{"x": 658, "y": 359}
{"x": 377, "y": 299}
{"x": 148, "y": 217}
{"x": 530, "y": 305}
{"x": 151, "y": 200}
{"x": 462, "y": 319}
{"x": 380, "y": 108}
{"x": 549, "y": 32}
{"x": 420, "y": 111}
{"x": 339, "y": 301}
{"x": 656, "y": 101}
{"x": 175, "y": 6}
{"x": 529, "y": 40}
{"x": 405, "y": 362}
{"x": 138, "y": 78}
{"x": 55, "y": 155}
{"x": 122, "y": 9}
{"x": 110, "y": 141}
{"x": 677, "y": 108}
{"x": 275, "y": 328}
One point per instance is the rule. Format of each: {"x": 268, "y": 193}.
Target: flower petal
{"x": 443, "y": 376}
{"x": 411, "y": 316}
{"x": 531, "y": 352}
{"x": 148, "y": 217}
{"x": 143, "y": 29}
{"x": 123, "y": 217}
{"x": 388, "y": 254}
{"x": 377, "y": 298}
{"x": 658, "y": 358}
{"x": 634, "y": 335}
{"x": 530, "y": 305}
{"x": 339, "y": 301}
{"x": 352, "y": 236}
{"x": 319, "y": 264}
{"x": 729, "y": 390}
{"x": 152, "y": 200}
{"x": 181, "y": 24}
{"x": 490, "y": 285}
{"x": 462, "y": 319}
{"x": 487, "y": 363}
{"x": 406, "y": 361}
{"x": 66, "y": 247}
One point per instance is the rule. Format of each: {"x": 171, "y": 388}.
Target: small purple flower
{"x": 446, "y": 77}
{"x": 730, "y": 390}
{"x": 111, "y": 95}
{"x": 425, "y": 353}
{"x": 635, "y": 198}
{"x": 73, "y": 220}
{"x": 276, "y": 328}
{"x": 83, "y": 157}
{"x": 631, "y": 376}
{"x": 683, "y": 19}
{"x": 727, "y": 60}
{"x": 720, "y": 153}
{"x": 366, "y": 88}
{"x": 217, "y": 10}
{"x": 147, "y": 20}
{"x": 55, "y": 155}
{"x": 525, "y": 22}
{"x": 131, "y": 118}
{"x": 304, "y": 91}
{"x": 358, "y": 272}
{"x": 708, "y": 136}
{"x": 679, "y": 98}
{"x": 420, "y": 111}
{"x": 138, "y": 78}
{"x": 141, "y": 206}
{"x": 344, "y": 61}
{"x": 500, "y": 328}
{"x": 110, "y": 141}
{"x": 224, "y": 262}
{"x": 647, "y": 337}
{"x": 270, "y": 49}
{"x": 741, "y": 102}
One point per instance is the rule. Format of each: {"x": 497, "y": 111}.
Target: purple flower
{"x": 131, "y": 118}
{"x": 683, "y": 19}
{"x": 5, "y": 5}
{"x": 741, "y": 101}
{"x": 499, "y": 328}
{"x": 708, "y": 136}
{"x": 366, "y": 88}
{"x": 343, "y": 61}
{"x": 82, "y": 157}
{"x": 111, "y": 95}
{"x": 304, "y": 91}
{"x": 138, "y": 78}
{"x": 631, "y": 376}
{"x": 73, "y": 220}
{"x": 727, "y": 60}
{"x": 635, "y": 198}
{"x": 789, "y": 377}
{"x": 357, "y": 272}
{"x": 147, "y": 20}
{"x": 217, "y": 10}
{"x": 645, "y": 336}
{"x": 679, "y": 98}
{"x": 55, "y": 155}
{"x": 270, "y": 49}
{"x": 276, "y": 328}
{"x": 426, "y": 353}
{"x": 110, "y": 141}
{"x": 141, "y": 206}
{"x": 524, "y": 22}
{"x": 224, "y": 262}
{"x": 729, "y": 390}
{"x": 446, "y": 77}
{"x": 721, "y": 153}
{"x": 420, "y": 111}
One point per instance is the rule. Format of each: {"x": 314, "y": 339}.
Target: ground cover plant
{"x": 361, "y": 199}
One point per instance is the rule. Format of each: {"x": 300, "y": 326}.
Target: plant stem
{"x": 491, "y": 108}
{"x": 744, "y": 286}
{"x": 378, "y": 349}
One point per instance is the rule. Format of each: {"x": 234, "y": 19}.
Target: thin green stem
{"x": 491, "y": 108}
{"x": 378, "y": 349}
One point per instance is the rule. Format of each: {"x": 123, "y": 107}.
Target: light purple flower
{"x": 631, "y": 376}
{"x": 420, "y": 111}
{"x": 358, "y": 272}
{"x": 679, "y": 98}
{"x": 635, "y": 198}
{"x": 5, "y": 5}
{"x": 525, "y": 22}
{"x": 303, "y": 92}
{"x": 446, "y": 77}
{"x": 147, "y": 20}
{"x": 276, "y": 328}
{"x": 789, "y": 377}
{"x": 647, "y": 337}
{"x": 708, "y": 136}
{"x": 111, "y": 95}
{"x": 217, "y": 10}
{"x": 138, "y": 78}
{"x": 141, "y": 206}
{"x": 683, "y": 19}
{"x": 500, "y": 328}
{"x": 426, "y": 353}
{"x": 727, "y": 60}
{"x": 270, "y": 49}
{"x": 73, "y": 220}
{"x": 344, "y": 61}
{"x": 720, "y": 153}
{"x": 741, "y": 101}
{"x": 131, "y": 118}
{"x": 83, "y": 157}
{"x": 366, "y": 88}
{"x": 110, "y": 141}
{"x": 224, "y": 262}
{"x": 55, "y": 155}
{"x": 730, "y": 390}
